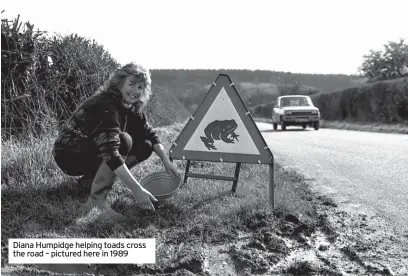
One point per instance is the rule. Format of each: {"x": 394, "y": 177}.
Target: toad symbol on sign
{"x": 219, "y": 130}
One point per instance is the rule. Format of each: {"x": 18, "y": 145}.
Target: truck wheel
{"x": 283, "y": 125}
{"x": 304, "y": 126}
{"x": 317, "y": 126}
{"x": 275, "y": 126}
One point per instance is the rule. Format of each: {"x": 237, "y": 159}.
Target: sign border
{"x": 223, "y": 81}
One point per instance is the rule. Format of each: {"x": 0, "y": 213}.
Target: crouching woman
{"x": 108, "y": 134}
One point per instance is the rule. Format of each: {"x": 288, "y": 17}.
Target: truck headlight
{"x": 315, "y": 112}
{"x": 288, "y": 112}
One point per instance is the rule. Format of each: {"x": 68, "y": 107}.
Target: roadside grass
{"x": 38, "y": 201}
{"x": 370, "y": 127}
{"x": 401, "y": 128}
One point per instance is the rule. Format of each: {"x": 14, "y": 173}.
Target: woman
{"x": 108, "y": 134}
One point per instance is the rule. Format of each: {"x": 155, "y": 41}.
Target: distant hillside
{"x": 255, "y": 87}
{"x": 164, "y": 108}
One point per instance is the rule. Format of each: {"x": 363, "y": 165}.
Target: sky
{"x": 309, "y": 36}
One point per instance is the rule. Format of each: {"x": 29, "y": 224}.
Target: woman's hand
{"x": 171, "y": 168}
{"x": 144, "y": 199}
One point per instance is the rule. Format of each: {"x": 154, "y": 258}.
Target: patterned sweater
{"x": 96, "y": 124}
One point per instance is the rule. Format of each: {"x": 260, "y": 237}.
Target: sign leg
{"x": 237, "y": 169}
{"x": 271, "y": 186}
{"x": 186, "y": 172}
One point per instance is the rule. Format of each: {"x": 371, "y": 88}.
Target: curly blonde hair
{"x": 113, "y": 84}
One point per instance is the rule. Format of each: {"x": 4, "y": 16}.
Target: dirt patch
{"x": 182, "y": 259}
{"x": 189, "y": 257}
{"x": 293, "y": 248}
{"x": 329, "y": 238}
{"x": 259, "y": 254}
{"x": 269, "y": 242}
{"x": 368, "y": 241}
{"x": 249, "y": 260}
{"x": 218, "y": 261}
{"x": 327, "y": 201}
{"x": 310, "y": 268}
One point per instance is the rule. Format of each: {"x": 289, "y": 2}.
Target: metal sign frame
{"x": 177, "y": 150}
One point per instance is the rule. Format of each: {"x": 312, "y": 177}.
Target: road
{"x": 364, "y": 168}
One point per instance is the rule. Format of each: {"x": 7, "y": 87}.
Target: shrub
{"x": 383, "y": 101}
{"x": 262, "y": 110}
{"x": 44, "y": 77}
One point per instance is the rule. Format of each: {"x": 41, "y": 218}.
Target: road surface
{"x": 365, "y": 168}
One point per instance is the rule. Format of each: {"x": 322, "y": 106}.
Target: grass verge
{"x": 38, "y": 201}
{"x": 401, "y": 128}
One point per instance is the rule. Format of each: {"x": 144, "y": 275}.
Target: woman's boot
{"x": 101, "y": 186}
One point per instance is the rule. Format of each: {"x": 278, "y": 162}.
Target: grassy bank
{"x": 38, "y": 201}
{"x": 370, "y": 127}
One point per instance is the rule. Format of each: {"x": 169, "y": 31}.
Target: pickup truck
{"x": 295, "y": 110}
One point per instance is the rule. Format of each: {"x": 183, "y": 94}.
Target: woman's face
{"x": 132, "y": 89}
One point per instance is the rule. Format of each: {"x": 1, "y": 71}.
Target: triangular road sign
{"x": 222, "y": 130}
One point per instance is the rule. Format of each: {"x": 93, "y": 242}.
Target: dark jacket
{"x": 94, "y": 129}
